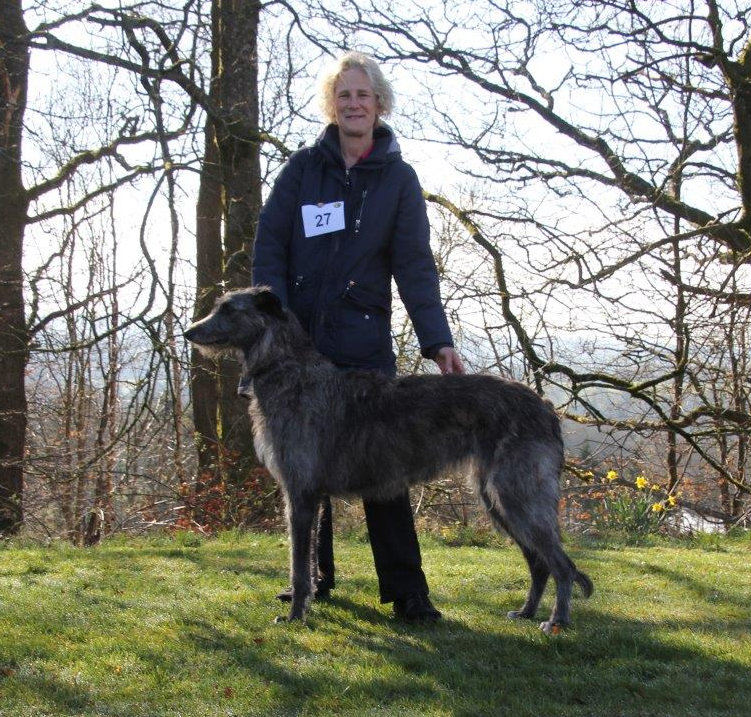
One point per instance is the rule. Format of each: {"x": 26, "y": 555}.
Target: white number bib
{"x": 322, "y": 218}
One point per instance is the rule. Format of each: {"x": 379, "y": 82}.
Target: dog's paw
{"x": 520, "y": 615}
{"x": 283, "y": 619}
{"x": 551, "y": 628}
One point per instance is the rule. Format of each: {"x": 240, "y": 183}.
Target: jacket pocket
{"x": 363, "y": 326}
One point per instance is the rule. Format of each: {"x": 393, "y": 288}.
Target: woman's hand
{"x": 449, "y": 361}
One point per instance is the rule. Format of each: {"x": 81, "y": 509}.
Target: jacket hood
{"x": 385, "y": 149}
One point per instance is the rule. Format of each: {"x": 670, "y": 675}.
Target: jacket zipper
{"x": 359, "y": 214}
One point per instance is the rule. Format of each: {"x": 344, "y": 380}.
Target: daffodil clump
{"x": 634, "y": 512}
{"x": 660, "y": 506}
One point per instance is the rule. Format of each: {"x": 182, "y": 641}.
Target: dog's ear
{"x": 269, "y": 303}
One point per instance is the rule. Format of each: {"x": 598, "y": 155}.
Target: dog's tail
{"x": 583, "y": 581}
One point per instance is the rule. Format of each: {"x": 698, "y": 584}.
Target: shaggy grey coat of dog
{"x": 322, "y": 431}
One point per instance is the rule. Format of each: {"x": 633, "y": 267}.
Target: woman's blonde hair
{"x": 355, "y": 61}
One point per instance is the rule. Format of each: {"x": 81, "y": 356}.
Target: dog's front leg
{"x": 301, "y": 510}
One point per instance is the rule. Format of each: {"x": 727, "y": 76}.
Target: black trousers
{"x": 393, "y": 540}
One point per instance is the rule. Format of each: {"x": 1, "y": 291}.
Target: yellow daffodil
{"x": 671, "y": 500}
{"x": 611, "y": 476}
{"x": 641, "y": 482}
{"x": 657, "y": 507}
{"x": 655, "y": 486}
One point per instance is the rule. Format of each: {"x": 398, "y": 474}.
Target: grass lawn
{"x": 183, "y": 626}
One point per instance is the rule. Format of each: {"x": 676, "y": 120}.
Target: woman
{"x": 345, "y": 216}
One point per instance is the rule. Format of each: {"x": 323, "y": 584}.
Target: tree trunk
{"x": 101, "y": 519}
{"x": 230, "y": 193}
{"x": 204, "y": 377}
{"x": 238, "y": 89}
{"x": 14, "y": 70}
{"x": 679, "y": 328}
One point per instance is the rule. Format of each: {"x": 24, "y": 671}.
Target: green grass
{"x": 183, "y": 626}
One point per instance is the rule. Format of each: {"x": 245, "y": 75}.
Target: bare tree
{"x": 76, "y": 166}
{"x": 133, "y": 86}
{"x": 14, "y": 68}
{"x": 606, "y": 147}
{"x": 228, "y": 204}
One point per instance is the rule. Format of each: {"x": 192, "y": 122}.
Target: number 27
{"x": 320, "y": 222}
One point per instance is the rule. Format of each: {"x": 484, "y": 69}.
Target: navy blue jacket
{"x": 339, "y": 284}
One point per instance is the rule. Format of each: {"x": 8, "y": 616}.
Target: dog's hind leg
{"x": 541, "y": 538}
{"x": 539, "y": 573}
{"x": 540, "y": 543}
{"x": 529, "y": 510}
{"x": 538, "y": 569}
{"x": 564, "y": 567}
{"x": 301, "y": 512}
{"x": 564, "y": 572}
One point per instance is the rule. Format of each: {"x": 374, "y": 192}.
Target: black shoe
{"x": 323, "y": 592}
{"x": 416, "y": 607}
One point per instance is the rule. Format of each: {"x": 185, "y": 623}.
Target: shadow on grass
{"x": 604, "y": 666}
{"x": 54, "y": 693}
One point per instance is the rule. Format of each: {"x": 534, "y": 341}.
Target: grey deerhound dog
{"x": 323, "y": 431}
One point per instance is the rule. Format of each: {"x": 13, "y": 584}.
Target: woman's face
{"x": 355, "y": 103}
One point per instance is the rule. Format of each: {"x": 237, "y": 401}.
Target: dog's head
{"x": 237, "y": 322}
